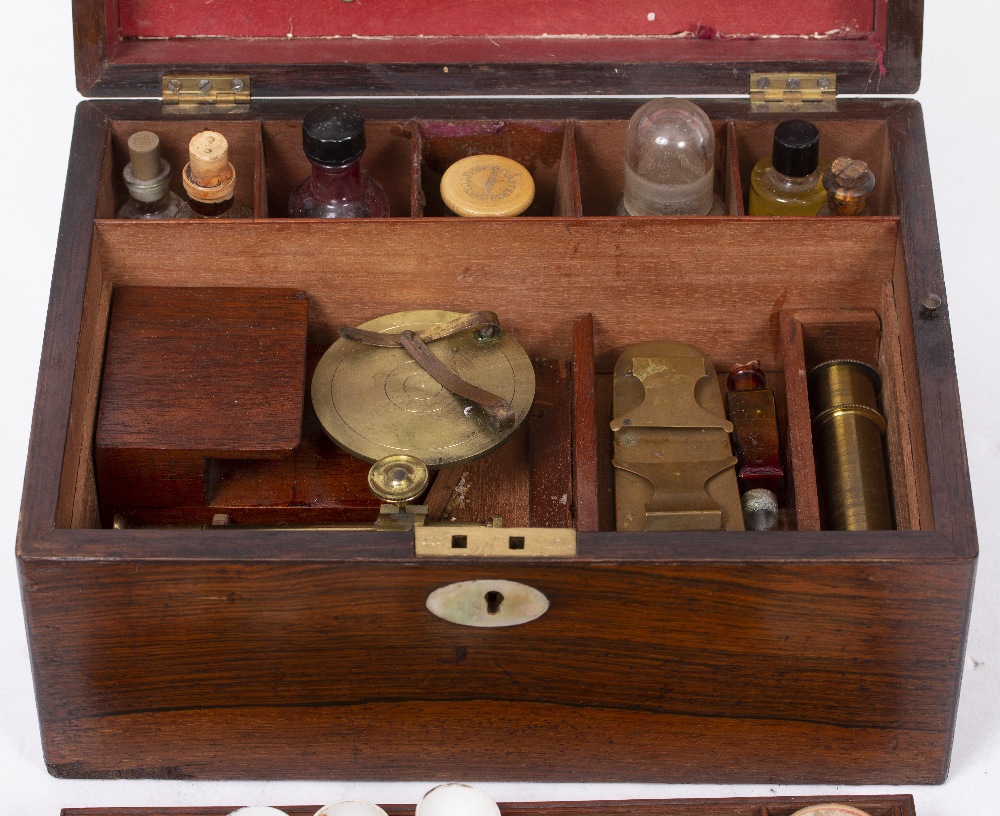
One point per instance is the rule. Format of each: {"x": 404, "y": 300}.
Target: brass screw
{"x": 204, "y": 85}
{"x": 929, "y": 305}
{"x": 236, "y": 84}
{"x": 174, "y": 85}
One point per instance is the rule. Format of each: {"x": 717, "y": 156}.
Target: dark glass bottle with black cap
{"x": 791, "y": 181}
{"x": 333, "y": 138}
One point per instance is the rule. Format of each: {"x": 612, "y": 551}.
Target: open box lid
{"x": 494, "y": 47}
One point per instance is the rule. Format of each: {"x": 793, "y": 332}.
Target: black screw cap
{"x": 333, "y": 134}
{"x": 796, "y": 148}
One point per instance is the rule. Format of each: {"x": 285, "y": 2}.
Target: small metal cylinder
{"x": 847, "y": 441}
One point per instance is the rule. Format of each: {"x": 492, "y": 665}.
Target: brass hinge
{"x": 210, "y": 89}
{"x": 793, "y": 92}
{"x": 494, "y": 542}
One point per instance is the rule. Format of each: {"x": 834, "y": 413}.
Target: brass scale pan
{"x": 377, "y": 402}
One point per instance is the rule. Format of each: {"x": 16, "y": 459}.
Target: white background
{"x": 959, "y": 95}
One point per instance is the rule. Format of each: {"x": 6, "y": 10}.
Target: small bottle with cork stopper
{"x": 147, "y": 176}
{"x": 209, "y": 180}
{"x": 333, "y": 139}
{"x": 791, "y": 181}
{"x": 849, "y": 183}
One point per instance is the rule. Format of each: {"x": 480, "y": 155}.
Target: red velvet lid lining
{"x": 706, "y": 19}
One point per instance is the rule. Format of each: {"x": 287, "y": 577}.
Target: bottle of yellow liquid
{"x": 791, "y": 181}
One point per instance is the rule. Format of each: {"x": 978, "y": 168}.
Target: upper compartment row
{"x": 577, "y": 165}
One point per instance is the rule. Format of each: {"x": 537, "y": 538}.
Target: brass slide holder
{"x": 674, "y": 468}
{"x": 847, "y": 441}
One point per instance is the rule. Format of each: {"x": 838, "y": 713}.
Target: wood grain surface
{"x": 157, "y": 669}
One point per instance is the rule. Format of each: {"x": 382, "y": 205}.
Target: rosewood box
{"x": 174, "y": 650}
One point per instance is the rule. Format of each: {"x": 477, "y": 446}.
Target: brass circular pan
{"x": 376, "y": 402}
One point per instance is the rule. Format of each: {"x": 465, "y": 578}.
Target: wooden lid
{"x": 487, "y": 185}
{"x": 418, "y": 47}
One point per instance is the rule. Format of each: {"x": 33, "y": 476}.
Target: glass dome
{"x": 669, "y": 160}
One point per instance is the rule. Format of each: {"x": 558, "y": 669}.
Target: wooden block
{"x": 192, "y": 374}
{"x": 219, "y": 372}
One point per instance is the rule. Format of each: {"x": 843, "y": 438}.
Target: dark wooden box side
{"x": 886, "y": 62}
{"x": 839, "y": 673}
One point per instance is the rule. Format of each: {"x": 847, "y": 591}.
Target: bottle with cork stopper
{"x": 848, "y": 183}
{"x": 790, "y": 182}
{"x": 333, "y": 139}
{"x": 147, "y": 177}
{"x": 209, "y": 180}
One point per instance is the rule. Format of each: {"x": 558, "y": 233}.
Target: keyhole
{"x": 493, "y": 601}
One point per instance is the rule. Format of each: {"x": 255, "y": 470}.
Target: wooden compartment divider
{"x": 585, "y": 465}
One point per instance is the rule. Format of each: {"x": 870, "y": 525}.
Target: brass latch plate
{"x": 494, "y": 542}
{"x": 799, "y": 92}
{"x": 206, "y": 89}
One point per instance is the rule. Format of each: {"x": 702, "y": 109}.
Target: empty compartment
{"x": 545, "y": 148}
{"x": 386, "y": 159}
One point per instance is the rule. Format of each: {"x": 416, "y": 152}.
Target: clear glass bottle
{"x": 791, "y": 181}
{"x": 670, "y": 161}
{"x": 333, "y": 139}
{"x": 209, "y": 180}
{"x": 848, "y": 184}
{"x": 147, "y": 176}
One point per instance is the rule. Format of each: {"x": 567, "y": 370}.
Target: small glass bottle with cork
{"x": 849, "y": 184}
{"x": 147, "y": 177}
{"x": 209, "y": 180}
{"x": 333, "y": 139}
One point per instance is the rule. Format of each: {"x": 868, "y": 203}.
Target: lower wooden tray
{"x": 892, "y": 805}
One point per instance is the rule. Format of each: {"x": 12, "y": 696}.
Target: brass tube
{"x": 847, "y": 443}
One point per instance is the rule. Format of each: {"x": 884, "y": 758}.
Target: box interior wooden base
{"x": 797, "y": 656}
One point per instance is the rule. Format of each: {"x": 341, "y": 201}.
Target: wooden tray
{"x": 892, "y": 805}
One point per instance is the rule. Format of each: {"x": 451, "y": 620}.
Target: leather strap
{"x": 485, "y": 322}
{"x": 498, "y": 411}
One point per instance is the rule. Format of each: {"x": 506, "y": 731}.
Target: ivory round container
{"x": 258, "y": 810}
{"x": 351, "y": 807}
{"x": 831, "y": 809}
{"x": 456, "y": 799}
